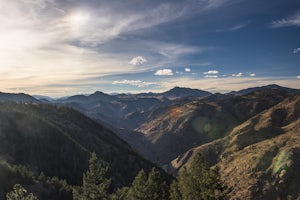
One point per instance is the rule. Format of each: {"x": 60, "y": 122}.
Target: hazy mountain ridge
{"x": 272, "y": 86}
{"x": 115, "y": 109}
{"x": 17, "y": 97}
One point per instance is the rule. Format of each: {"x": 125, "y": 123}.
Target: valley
{"x": 252, "y": 135}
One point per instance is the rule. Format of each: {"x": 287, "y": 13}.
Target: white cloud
{"x": 137, "y": 83}
{"x": 164, "y": 72}
{"x": 252, "y": 74}
{"x": 237, "y": 75}
{"x": 187, "y": 69}
{"x": 286, "y": 22}
{"x": 298, "y": 76}
{"x": 297, "y": 50}
{"x": 211, "y": 72}
{"x": 211, "y": 76}
{"x": 139, "y": 60}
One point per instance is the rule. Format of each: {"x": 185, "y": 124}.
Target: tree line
{"x": 197, "y": 182}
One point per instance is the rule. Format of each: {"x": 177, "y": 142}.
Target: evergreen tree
{"x": 20, "y": 193}
{"x": 198, "y": 182}
{"x": 151, "y": 187}
{"x": 138, "y": 189}
{"x": 95, "y": 181}
{"x": 120, "y": 194}
{"x": 157, "y": 188}
{"x": 174, "y": 191}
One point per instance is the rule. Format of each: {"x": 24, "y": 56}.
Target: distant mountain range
{"x": 251, "y": 134}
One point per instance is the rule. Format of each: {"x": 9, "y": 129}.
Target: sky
{"x": 65, "y": 47}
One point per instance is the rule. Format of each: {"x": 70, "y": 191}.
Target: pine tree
{"x": 157, "y": 188}
{"x": 95, "y": 181}
{"x": 120, "y": 194}
{"x": 138, "y": 189}
{"x": 198, "y": 182}
{"x": 174, "y": 191}
{"x": 20, "y": 193}
{"x": 151, "y": 187}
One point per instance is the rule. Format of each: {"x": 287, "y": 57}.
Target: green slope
{"x": 58, "y": 141}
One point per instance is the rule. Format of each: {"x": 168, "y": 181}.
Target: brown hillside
{"x": 260, "y": 159}
{"x": 180, "y": 127}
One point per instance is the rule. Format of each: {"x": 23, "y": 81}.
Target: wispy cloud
{"x": 286, "y": 22}
{"x": 211, "y": 76}
{"x": 139, "y": 60}
{"x": 137, "y": 83}
{"x": 211, "y": 72}
{"x": 164, "y": 72}
{"x": 212, "y": 4}
{"x": 296, "y": 50}
{"x": 233, "y": 28}
{"x": 252, "y": 74}
{"x": 175, "y": 50}
{"x": 62, "y": 38}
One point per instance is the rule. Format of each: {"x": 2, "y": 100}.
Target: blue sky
{"x": 64, "y": 47}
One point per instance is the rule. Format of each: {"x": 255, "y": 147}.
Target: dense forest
{"x": 197, "y": 182}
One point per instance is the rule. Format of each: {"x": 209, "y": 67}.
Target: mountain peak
{"x": 179, "y": 92}
{"x": 98, "y": 93}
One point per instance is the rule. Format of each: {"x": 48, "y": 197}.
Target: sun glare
{"x": 79, "y": 18}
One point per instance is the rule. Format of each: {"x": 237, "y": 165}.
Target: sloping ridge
{"x": 175, "y": 129}
{"x": 260, "y": 159}
{"x": 58, "y": 141}
{"x": 17, "y": 97}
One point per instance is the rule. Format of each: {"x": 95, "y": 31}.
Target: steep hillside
{"x": 58, "y": 141}
{"x": 260, "y": 158}
{"x": 181, "y": 127}
{"x": 177, "y": 128}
